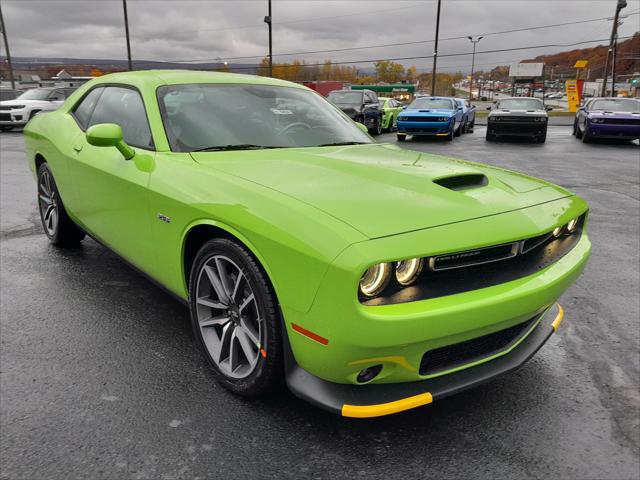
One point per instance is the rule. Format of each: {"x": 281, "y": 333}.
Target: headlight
{"x": 494, "y": 118}
{"x": 402, "y": 118}
{"x": 540, "y": 119}
{"x": 443, "y": 119}
{"x": 375, "y": 279}
{"x": 597, "y": 120}
{"x": 558, "y": 231}
{"x": 407, "y": 271}
{"x": 572, "y": 225}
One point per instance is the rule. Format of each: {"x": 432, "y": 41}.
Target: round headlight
{"x": 557, "y": 231}
{"x": 375, "y": 279}
{"x": 572, "y": 225}
{"x": 408, "y": 270}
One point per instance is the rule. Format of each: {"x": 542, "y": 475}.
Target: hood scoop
{"x": 424, "y": 111}
{"x": 463, "y": 182}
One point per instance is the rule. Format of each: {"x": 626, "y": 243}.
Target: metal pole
{"x": 126, "y": 29}
{"x": 435, "y": 51}
{"x": 6, "y": 47}
{"x": 613, "y": 66}
{"x": 614, "y": 30}
{"x": 473, "y": 63}
{"x": 267, "y": 20}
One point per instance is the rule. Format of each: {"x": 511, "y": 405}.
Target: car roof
{"x": 157, "y": 78}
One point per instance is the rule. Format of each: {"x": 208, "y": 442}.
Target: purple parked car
{"x": 608, "y": 118}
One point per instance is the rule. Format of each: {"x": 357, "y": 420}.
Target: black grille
{"x": 422, "y": 129}
{"x": 458, "y": 354}
{"x": 5, "y": 117}
{"x": 474, "y": 257}
{"x": 5, "y": 107}
{"x": 422, "y": 119}
{"x": 622, "y": 121}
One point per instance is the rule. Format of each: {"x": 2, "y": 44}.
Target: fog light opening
{"x": 369, "y": 373}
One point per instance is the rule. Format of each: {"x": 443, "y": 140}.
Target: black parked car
{"x": 361, "y": 105}
{"x": 518, "y": 116}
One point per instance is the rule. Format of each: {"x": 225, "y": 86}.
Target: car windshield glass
{"x": 245, "y": 116}
{"x": 345, "y": 98}
{"x": 432, "y": 103}
{"x": 35, "y": 94}
{"x": 520, "y": 104}
{"x": 616, "y": 105}
{"x": 381, "y": 102}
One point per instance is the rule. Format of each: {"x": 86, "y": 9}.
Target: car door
{"x": 111, "y": 192}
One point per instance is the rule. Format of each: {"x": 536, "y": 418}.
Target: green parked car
{"x": 391, "y": 108}
{"x": 373, "y": 279}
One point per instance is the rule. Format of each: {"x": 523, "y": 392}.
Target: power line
{"x": 460, "y": 54}
{"x": 399, "y": 44}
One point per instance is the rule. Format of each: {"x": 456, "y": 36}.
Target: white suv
{"x": 17, "y": 112}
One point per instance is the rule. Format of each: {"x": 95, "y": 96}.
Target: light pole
{"x": 126, "y": 29}
{"x": 614, "y": 31}
{"x": 6, "y": 47}
{"x": 435, "y": 52}
{"x": 267, "y": 20}
{"x": 473, "y": 64}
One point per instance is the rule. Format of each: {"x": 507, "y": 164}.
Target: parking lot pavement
{"x": 100, "y": 378}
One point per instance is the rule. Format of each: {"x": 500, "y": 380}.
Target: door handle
{"x": 78, "y": 147}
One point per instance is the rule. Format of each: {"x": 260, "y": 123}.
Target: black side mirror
{"x": 488, "y": 108}
{"x": 548, "y": 108}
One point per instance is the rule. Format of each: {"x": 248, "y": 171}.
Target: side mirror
{"x": 362, "y": 127}
{"x": 488, "y": 108}
{"x": 404, "y": 107}
{"x": 548, "y": 108}
{"x": 109, "y": 135}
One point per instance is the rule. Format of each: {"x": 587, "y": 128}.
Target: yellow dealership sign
{"x": 573, "y": 94}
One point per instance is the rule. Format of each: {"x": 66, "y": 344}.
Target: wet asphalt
{"x": 100, "y": 377}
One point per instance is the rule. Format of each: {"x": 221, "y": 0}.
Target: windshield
{"x": 35, "y": 94}
{"x": 206, "y": 116}
{"x": 345, "y": 98}
{"x": 433, "y": 103}
{"x": 381, "y": 102}
{"x": 616, "y": 105}
{"x": 520, "y": 104}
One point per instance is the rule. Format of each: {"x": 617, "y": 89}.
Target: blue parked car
{"x": 468, "y": 115}
{"x": 608, "y": 118}
{"x": 433, "y": 116}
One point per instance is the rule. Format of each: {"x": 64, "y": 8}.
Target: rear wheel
{"x": 377, "y": 127}
{"x": 458, "y": 131}
{"x": 235, "y": 318}
{"x": 57, "y": 225}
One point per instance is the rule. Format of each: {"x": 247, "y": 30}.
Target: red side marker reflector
{"x": 309, "y": 334}
{"x": 263, "y": 353}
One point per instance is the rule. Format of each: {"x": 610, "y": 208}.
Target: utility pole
{"x": 6, "y": 47}
{"x": 435, "y": 52}
{"x": 614, "y": 31}
{"x": 613, "y": 66}
{"x": 126, "y": 29}
{"x": 267, "y": 20}
{"x": 473, "y": 63}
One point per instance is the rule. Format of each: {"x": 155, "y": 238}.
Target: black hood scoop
{"x": 463, "y": 182}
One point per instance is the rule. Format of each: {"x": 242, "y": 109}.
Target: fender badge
{"x": 164, "y": 218}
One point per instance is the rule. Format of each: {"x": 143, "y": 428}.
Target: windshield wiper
{"x": 339, "y": 144}
{"x": 242, "y": 146}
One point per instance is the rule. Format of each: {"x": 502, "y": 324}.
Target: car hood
{"x": 427, "y": 112}
{"x": 381, "y": 189}
{"x": 11, "y": 103}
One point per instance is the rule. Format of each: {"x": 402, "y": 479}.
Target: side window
{"x": 370, "y": 98}
{"x": 56, "y": 95}
{"x": 84, "y": 109}
{"x": 124, "y": 107}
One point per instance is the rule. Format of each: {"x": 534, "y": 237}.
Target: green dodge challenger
{"x": 372, "y": 279}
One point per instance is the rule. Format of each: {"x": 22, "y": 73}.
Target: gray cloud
{"x": 188, "y": 30}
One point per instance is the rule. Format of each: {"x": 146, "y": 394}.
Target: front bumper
{"x": 13, "y": 118}
{"x": 517, "y": 129}
{"x": 424, "y": 128}
{"x": 602, "y": 130}
{"x": 377, "y": 400}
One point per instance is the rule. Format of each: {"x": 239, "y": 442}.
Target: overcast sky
{"x": 179, "y": 30}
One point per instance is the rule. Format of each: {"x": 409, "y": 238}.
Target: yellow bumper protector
{"x": 558, "y": 320}
{"x": 366, "y": 411}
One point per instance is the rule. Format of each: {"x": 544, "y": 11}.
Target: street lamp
{"x": 267, "y": 20}
{"x": 614, "y": 32}
{"x": 473, "y": 63}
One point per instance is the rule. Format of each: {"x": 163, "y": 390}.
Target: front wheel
{"x": 490, "y": 137}
{"x": 235, "y": 318}
{"x": 586, "y": 138}
{"x": 401, "y": 137}
{"x": 377, "y": 127}
{"x": 57, "y": 225}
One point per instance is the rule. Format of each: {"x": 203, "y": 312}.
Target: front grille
{"x": 474, "y": 257}
{"x": 422, "y": 129}
{"x": 469, "y": 351}
{"x": 421, "y": 119}
{"x": 518, "y": 119}
{"x": 5, "y": 117}
{"x": 5, "y": 107}
{"x": 622, "y": 121}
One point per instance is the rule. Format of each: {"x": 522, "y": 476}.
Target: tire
{"x": 57, "y": 225}
{"x": 451, "y": 134}
{"x": 33, "y": 113}
{"x": 248, "y": 327}
{"x": 458, "y": 131}
{"x": 490, "y": 137}
{"x": 377, "y": 127}
{"x": 472, "y": 124}
{"x": 575, "y": 127}
{"x": 578, "y": 132}
{"x": 401, "y": 137}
